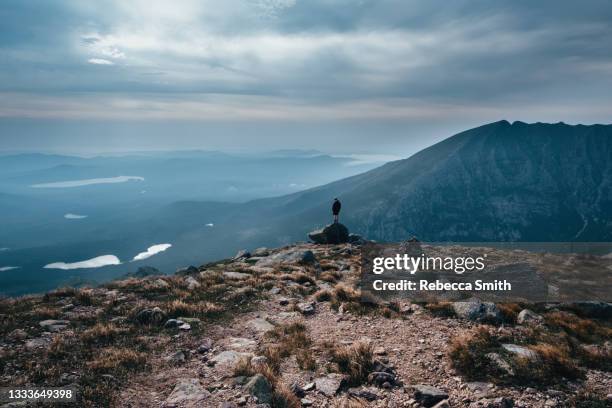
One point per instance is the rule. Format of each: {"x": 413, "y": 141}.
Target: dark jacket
{"x": 336, "y": 207}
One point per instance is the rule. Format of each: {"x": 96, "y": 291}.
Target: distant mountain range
{"x": 498, "y": 182}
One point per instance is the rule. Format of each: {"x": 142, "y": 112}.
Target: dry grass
{"x": 509, "y": 311}
{"x": 331, "y": 276}
{"x": 289, "y": 339}
{"x": 350, "y": 402}
{"x": 305, "y": 360}
{"x": 468, "y": 353}
{"x": 323, "y": 295}
{"x": 180, "y": 308}
{"x": 46, "y": 312}
{"x": 441, "y": 309}
{"x": 298, "y": 277}
{"x": 84, "y": 297}
{"x": 587, "y": 398}
{"x": 585, "y": 330}
{"x": 60, "y": 293}
{"x": 554, "y": 362}
{"x": 100, "y": 334}
{"x": 244, "y": 368}
{"x": 117, "y": 360}
{"x": 355, "y": 360}
{"x": 282, "y": 397}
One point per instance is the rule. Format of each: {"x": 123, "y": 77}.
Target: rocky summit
{"x": 335, "y": 233}
{"x": 287, "y": 328}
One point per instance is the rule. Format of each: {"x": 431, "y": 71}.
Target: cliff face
{"x": 498, "y": 182}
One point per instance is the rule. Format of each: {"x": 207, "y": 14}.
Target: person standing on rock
{"x": 336, "y": 206}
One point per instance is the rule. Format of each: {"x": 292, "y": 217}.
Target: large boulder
{"x": 427, "y": 395}
{"x": 258, "y": 386}
{"x": 527, "y": 317}
{"x": 153, "y": 316}
{"x": 330, "y": 384}
{"x": 475, "y": 310}
{"x": 290, "y": 256}
{"x": 332, "y": 234}
{"x": 188, "y": 392}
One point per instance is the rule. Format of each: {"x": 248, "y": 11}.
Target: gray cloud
{"x": 297, "y": 60}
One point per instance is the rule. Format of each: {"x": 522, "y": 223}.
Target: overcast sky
{"x": 339, "y": 76}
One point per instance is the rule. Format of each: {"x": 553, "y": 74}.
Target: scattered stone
{"x": 364, "y": 393}
{"x": 39, "y": 342}
{"x": 290, "y": 256}
{"x": 83, "y": 313}
{"x": 228, "y": 404}
{"x": 189, "y": 270}
{"x": 310, "y": 386}
{"x": 275, "y": 291}
{"x": 263, "y": 251}
{"x": 306, "y": 308}
{"x": 178, "y": 358}
{"x": 160, "y": 284}
{"x": 475, "y": 310}
{"x": 54, "y": 326}
{"x": 151, "y": 316}
{"x": 68, "y": 378}
{"x": 229, "y": 358}
{"x": 501, "y": 364}
{"x": 243, "y": 253}
{"x": 480, "y": 389}
{"x": 242, "y": 401}
{"x": 194, "y": 321}
{"x": 260, "y": 325}
{"x": 259, "y": 361}
{"x": 17, "y": 334}
{"x": 241, "y": 343}
{"x": 380, "y": 351}
{"x": 329, "y": 385}
{"x": 306, "y": 402}
{"x": 427, "y": 395}
{"x": 185, "y": 327}
{"x": 501, "y": 402}
{"x": 283, "y": 301}
{"x": 297, "y": 390}
{"x": 192, "y": 283}
{"x": 173, "y": 323}
{"x": 527, "y": 317}
{"x": 260, "y": 387}
{"x": 236, "y": 275}
{"x": 187, "y": 393}
{"x": 335, "y": 233}
{"x": 380, "y": 377}
{"x": 205, "y": 346}
{"x": 520, "y": 351}
{"x": 68, "y": 307}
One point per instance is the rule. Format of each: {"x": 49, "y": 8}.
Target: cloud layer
{"x": 297, "y": 60}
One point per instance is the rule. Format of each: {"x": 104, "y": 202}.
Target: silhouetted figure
{"x": 336, "y": 206}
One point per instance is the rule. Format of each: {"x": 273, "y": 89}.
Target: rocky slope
{"x": 287, "y": 327}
